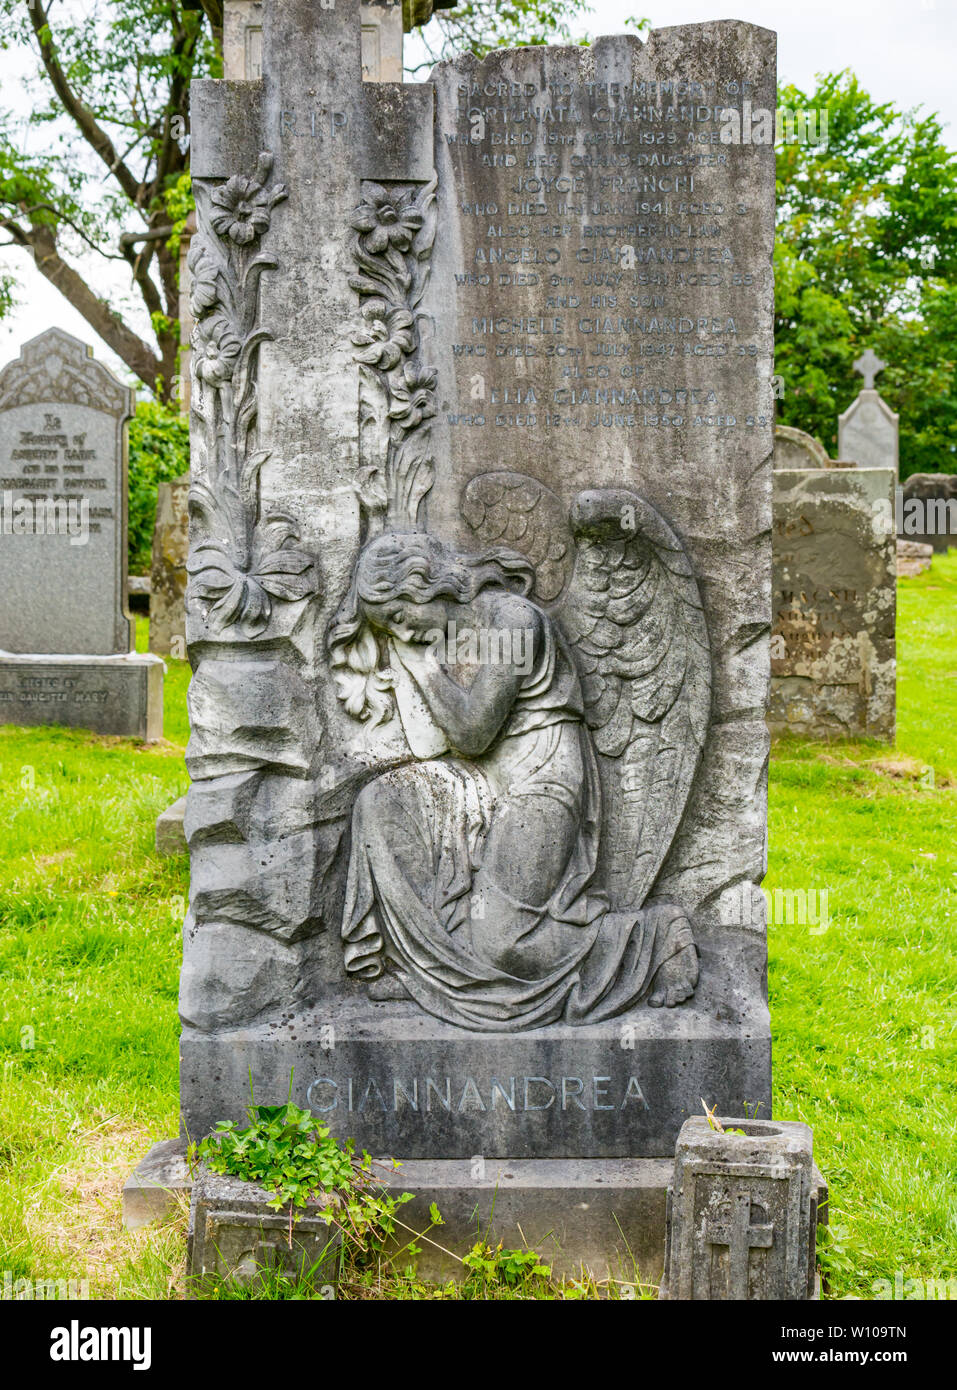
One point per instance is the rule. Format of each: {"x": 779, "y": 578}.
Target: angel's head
{"x": 406, "y": 585}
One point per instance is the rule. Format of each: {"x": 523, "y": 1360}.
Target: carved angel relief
{"x": 242, "y": 560}
{"x": 554, "y": 689}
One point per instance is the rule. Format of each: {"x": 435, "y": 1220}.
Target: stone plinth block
{"x": 235, "y": 1234}
{"x": 157, "y": 1184}
{"x": 605, "y": 1214}
{"x": 913, "y": 558}
{"x": 170, "y": 837}
{"x": 743, "y": 1212}
{"x": 108, "y": 694}
{"x": 833, "y": 642}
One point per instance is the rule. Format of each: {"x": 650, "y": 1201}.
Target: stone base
{"x": 107, "y": 694}
{"x": 607, "y": 1215}
{"x": 398, "y": 1081}
{"x": 154, "y": 1188}
{"x": 913, "y": 558}
{"x": 170, "y": 836}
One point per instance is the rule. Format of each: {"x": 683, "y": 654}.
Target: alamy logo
{"x": 45, "y": 516}
{"x": 76, "y": 1343}
{"x": 489, "y": 646}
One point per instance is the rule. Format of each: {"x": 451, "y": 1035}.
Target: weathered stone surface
{"x": 108, "y": 694}
{"x": 168, "y": 572}
{"x": 927, "y": 510}
{"x": 833, "y": 647}
{"x": 250, "y": 714}
{"x": 170, "y": 837}
{"x": 62, "y": 454}
{"x": 158, "y": 1184}
{"x": 743, "y": 1212}
{"x": 795, "y": 448}
{"x": 867, "y": 432}
{"x": 233, "y": 1233}
{"x": 605, "y": 1214}
{"x": 913, "y": 558}
{"x": 503, "y": 368}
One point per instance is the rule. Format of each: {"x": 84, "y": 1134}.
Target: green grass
{"x": 864, "y": 1013}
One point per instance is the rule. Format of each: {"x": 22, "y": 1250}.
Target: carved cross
{"x": 741, "y": 1238}
{"x": 867, "y": 366}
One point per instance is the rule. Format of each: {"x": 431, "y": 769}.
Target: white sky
{"x": 902, "y": 51}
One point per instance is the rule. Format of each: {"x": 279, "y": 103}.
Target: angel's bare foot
{"x": 675, "y": 979}
{"x": 388, "y": 987}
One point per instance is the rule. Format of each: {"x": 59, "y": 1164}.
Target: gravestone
{"x": 65, "y": 629}
{"x": 833, "y": 643}
{"x": 867, "y": 431}
{"x": 168, "y": 569}
{"x": 479, "y": 597}
{"x": 927, "y": 510}
{"x": 795, "y": 448}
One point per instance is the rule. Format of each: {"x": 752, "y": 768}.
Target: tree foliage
{"x": 95, "y": 166}
{"x": 478, "y": 26}
{"x": 866, "y": 255}
{"x": 158, "y": 453}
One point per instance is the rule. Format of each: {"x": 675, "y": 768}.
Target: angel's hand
{"x": 420, "y": 661}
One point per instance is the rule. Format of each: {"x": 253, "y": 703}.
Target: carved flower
{"x": 217, "y": 350}
{"x": 412, "y": 400}
{"x": 244, "y": 207}
{"x": 386, "y": 219}
{"x": 388, "y": 336}
{"x": 203, "y": 290}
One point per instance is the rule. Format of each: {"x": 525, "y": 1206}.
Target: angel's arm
{"x": 472, "y": 718}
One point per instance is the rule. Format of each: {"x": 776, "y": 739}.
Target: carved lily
{"x": 386, "y": 220}
{"x": 388, "y": 337}
{"x": 244, "y": 208}
{"x": 412, "y": 397}
{"x": 243, "y": 596}
{"x": 217, "y": 349}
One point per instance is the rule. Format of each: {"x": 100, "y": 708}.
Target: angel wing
{"x": 634, "y": 617}
{"x": 516, "y": 510}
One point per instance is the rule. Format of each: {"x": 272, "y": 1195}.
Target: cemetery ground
{"x": 863, "y": 997}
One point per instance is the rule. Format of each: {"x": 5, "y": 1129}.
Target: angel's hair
{"x": 418, "y": 567}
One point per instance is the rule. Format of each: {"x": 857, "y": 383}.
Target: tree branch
{"x": 87, "y": 124}
{"x": 131, "y": 349}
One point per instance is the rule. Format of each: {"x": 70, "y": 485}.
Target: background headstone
{"x": 168, "y": 571}
{"x": 62, "y": 429}
{"x": 65, "y": 629}
{"x": 867, "y": 431}
{"x": 586, "y": 273}
{"x": 928, "y": 510}
{"x": 833, "y": 645}
{"x": 795, "y": 448}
